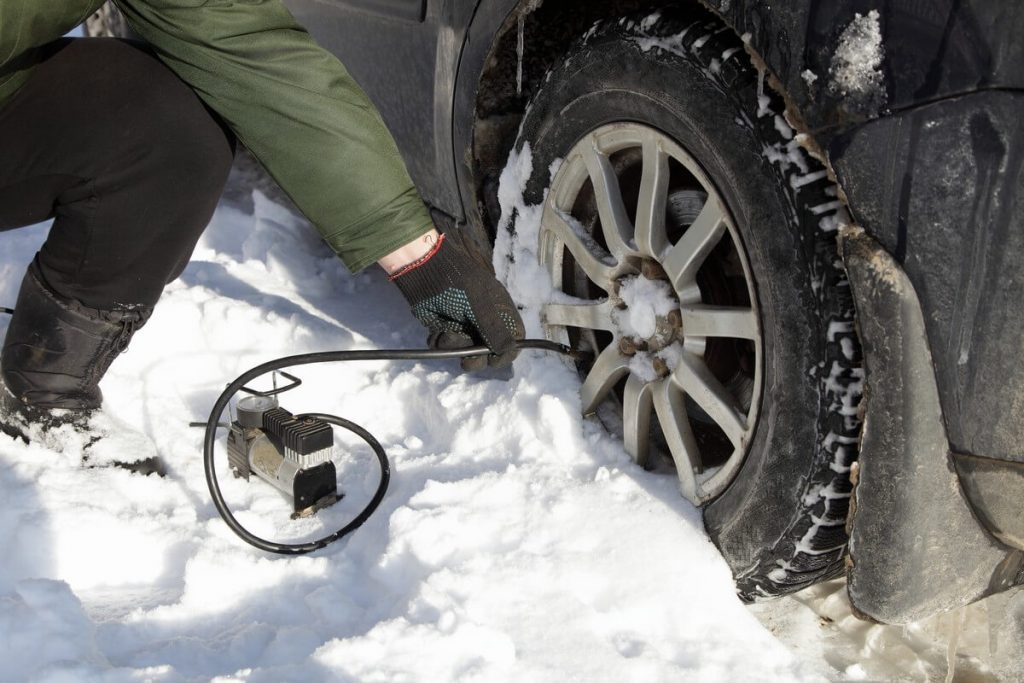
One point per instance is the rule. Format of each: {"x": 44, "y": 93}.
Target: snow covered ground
{"x": 517, "y": 541}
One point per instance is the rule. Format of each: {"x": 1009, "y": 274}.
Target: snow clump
{"x": 645, "y": 301}
{"x": 856, "y": 69}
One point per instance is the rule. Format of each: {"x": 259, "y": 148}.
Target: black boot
{"x": 55, "y": 353}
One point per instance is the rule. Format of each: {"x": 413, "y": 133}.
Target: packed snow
{"x": 517, "y": 541}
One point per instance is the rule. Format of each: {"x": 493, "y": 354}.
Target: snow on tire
{"x": 652, "y": 121}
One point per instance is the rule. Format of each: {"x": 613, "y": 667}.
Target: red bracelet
{"x": 418, "y": 262}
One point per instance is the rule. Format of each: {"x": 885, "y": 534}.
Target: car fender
{"x": 917, "y": 543}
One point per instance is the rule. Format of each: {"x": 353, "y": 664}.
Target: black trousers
{"x": 124, "y": 156}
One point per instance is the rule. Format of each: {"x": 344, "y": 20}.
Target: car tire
{"x": 680, "y": 84}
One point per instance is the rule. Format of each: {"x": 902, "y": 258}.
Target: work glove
{"x": 454, "y": 293}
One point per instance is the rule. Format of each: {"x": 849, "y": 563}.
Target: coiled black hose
{"x": 234, "y": 387}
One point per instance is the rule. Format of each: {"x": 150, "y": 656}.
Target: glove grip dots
{"x": 455, "y": 295}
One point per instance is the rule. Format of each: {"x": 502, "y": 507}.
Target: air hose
{"x": 237, "y": 385}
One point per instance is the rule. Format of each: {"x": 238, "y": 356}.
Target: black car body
{"x": 930, "y": 166}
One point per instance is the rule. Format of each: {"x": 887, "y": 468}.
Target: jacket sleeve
{"x": 298, "y": 110}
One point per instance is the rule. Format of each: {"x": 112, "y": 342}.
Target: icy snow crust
{"x": 517, "y": 541}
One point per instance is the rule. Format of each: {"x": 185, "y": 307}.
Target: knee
{"x": 186, "y": 144}
{"x": 192, "y": 149}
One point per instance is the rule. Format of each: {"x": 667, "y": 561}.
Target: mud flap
{"x": 916, "y": 546}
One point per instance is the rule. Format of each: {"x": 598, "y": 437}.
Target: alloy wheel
{"x": 651, "y": 278}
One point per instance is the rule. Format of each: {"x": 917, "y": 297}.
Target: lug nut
{"x": 675, "y": 318}
{"x": 660, "y": 366}
{"x": 627, "y": 347}
{"x": 652, "y": 270}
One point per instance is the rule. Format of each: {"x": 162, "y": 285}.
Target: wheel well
{"x": 509, "y": 81}
{"x": 548, "y": 29}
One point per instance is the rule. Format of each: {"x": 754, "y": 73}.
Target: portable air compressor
{"x": 291, "y": 453}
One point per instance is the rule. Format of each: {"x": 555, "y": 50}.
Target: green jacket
{"x": 288, "y": 100}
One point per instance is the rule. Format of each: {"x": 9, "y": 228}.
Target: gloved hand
{"x": 455, "y": 295}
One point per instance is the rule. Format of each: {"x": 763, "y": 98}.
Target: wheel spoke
{"x": 685, "y": 258}
{"x": 596, "y": 269}
{"x": 719, "y": 321}
{"x": 636, "y": 418}
{"x": 594, "y": 316}
{"x": 675, "y": 425}
{"x": 650, "y": 213}
{"x": 696, "y": 379}
{"x": 609, "y": 367}
{"x": 615, "y": 223}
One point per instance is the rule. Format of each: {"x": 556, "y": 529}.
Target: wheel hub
{"x": 647, "y": 318}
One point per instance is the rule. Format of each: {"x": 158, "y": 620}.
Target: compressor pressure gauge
{"x": 251, "y": 408}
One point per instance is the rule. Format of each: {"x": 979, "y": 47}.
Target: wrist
{"x": 405, "y": 273}
{"x": 411, "y": 253}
